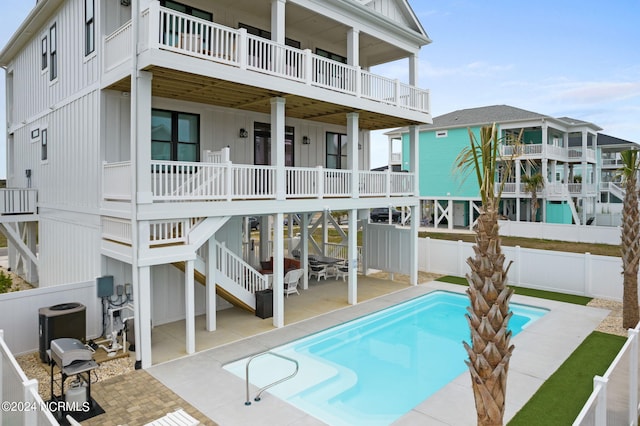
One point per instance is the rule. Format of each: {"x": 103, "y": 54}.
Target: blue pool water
{"x": 372, "y": 370}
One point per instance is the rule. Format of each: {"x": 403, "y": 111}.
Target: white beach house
{"x": 141, "y": 134}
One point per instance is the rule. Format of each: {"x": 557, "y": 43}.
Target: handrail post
{"x": 257, "y": 397}
{"x": 320, "y": 180}
{"x": 601, "y": 406}
{"x": 242, "y": 48}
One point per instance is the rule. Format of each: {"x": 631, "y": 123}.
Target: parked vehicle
{"x": 382, "y": 215}
{"x": 254, "y": 223}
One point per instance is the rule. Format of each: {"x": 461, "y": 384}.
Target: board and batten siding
{"x": 75, "y": 71}
{"x": 69, "y": 248}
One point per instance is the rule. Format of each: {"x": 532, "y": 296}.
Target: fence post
{"x": 428, "y": 239}
{"x": 587, "y": 291}
{"x": 30, "y": 388}
{"x": 320, "y": 180}
{"x": 633, "y": 376}
{"x": 460, "y": 257}
{"x": 601, "y": 405}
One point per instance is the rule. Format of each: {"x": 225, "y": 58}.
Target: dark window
{"x": 44, "y": 155}
{"x": 175, "y": 29}
{"x": 44, "y": 55}
{"x": 336, "y": 150}
{"x": 179, "y": 7}
{"x": 89, "y": 27}
{"x": 262, "y": 144}
{"x": 267, "y": 34}
{"x": 332, "y": 56}
{"x": 53, "y": 53}
{"x": 175, "y": 136}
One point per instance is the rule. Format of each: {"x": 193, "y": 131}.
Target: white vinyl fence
{"x": 561, "y": 232}
{"x": 19, "y": 312}
{"x": 17, "y": 392}
{"x": 572, "y": 273}
{"x": 614, "y": 400}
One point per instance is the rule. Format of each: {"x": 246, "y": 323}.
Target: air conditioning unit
{"x": 63, "y": 320}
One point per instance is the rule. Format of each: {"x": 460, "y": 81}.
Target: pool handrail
{"x": 257, "y": 397}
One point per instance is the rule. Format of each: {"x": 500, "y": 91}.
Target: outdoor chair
{"x": 318, "y": 270}
{"x": 291, "y": 280}
{"x": 342, "y": 271}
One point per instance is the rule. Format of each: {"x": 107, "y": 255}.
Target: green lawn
{"x": 560, "y": 398}
{"x": 542, "y": 294}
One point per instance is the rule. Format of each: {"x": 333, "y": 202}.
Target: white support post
{"x": 277, "y": 145}
{"x": 304, "y": 249}
{"x": 189, "y": 310}
{"x": 211, "y": 285}
{"x": 143, "y": 337}
{"x": 242, "y": 48}
{"x": 143, "y": 107}
{"x": 308, "y": 67}
{"x": 154, "y": 25}
{"x": 352, "y": 152}
{"x": 450, "y": 213}
{"x": 278, "y": 271}
{"x": 352, "y": 256}
{"x": 414, "y": 157}
{"x": 278, "y": 21}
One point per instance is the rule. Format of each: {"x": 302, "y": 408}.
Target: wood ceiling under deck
{"x": 174, "y": 84}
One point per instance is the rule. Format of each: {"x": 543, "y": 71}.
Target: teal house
{"x": 562, "y": 150}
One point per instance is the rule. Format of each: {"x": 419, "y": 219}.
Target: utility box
{"x": 264, "y": 303}
{"x": 63, "y": 320}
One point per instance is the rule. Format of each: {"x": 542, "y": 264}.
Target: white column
{"x": 450, "y": 214}
{"x": 353, "y": 47}
{"x": 352, "y": 152}
{"x": 278, "y": 20}
{"x": 278, "y": 271}
{"x": 277, "y": 145}
{"x": 413, "y": 69}
{"x": 142, "y": 141}
{"x": 414, "y": 157}
{"x": 304, "y": 248}
{"x": 352, "y": 250}
{"x": 143, "y": 315}
{"x": 585, "y": 176}
{"x": 189, "y": 307}
{"x": 211, "y": 285}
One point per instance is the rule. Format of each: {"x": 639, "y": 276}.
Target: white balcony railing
{"x": 187, "y": 181}
{"x": 166, "y": 29}
{"x": 551, "y": 189}
{"x": 547, "y": 151}
{"x": 18, "y": 201}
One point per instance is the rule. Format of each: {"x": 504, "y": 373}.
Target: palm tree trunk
{"x": 488, "y": 317}
{"x": 630, "y": 249}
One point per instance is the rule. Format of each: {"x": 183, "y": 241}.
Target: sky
{"x": 579, "y": 59}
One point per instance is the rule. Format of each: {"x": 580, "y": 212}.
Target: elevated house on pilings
{"x": 152, "y": 129}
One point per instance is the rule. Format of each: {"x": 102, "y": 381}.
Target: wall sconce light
{"x": 125, "y": 2}
{"x": 360, "y": 146}
{"x": 306, "y": 140}
{"x": 243, "y": 133}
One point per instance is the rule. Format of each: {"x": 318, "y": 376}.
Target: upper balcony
{"x": 547, "y": 151}
{"x": 298, "y": 72}
{"x": 221, "y": 180}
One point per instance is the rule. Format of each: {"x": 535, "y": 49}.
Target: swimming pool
{"x": 374, "y": 369}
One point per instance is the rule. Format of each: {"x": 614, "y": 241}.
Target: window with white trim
{"x": 44, "y": 54}
{"x": 44, "y": 154}
{"x": 89, "y": 27}
{"x": 53, "y": 53}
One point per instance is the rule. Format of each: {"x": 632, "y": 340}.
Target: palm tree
{"x": 488, "y": 314}
{"x": 630, "y": 246}
{"x": 533, "y": 183}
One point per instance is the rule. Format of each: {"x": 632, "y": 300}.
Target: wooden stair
{"x": 202, "y": 279}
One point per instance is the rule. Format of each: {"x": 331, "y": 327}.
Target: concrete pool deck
{"x": 541, "y": 348}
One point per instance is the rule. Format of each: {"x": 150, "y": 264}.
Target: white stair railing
{"x": 237, "y": 270}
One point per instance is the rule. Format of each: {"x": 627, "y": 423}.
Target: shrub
{"x": 5, "y": 282}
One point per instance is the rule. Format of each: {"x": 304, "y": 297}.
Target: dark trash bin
{"x": 264, "y": 303}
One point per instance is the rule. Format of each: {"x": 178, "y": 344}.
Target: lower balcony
{"x": 187, "y": 181}
{"x": 550, "y": 190}
{"x": 18, "y": 201}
